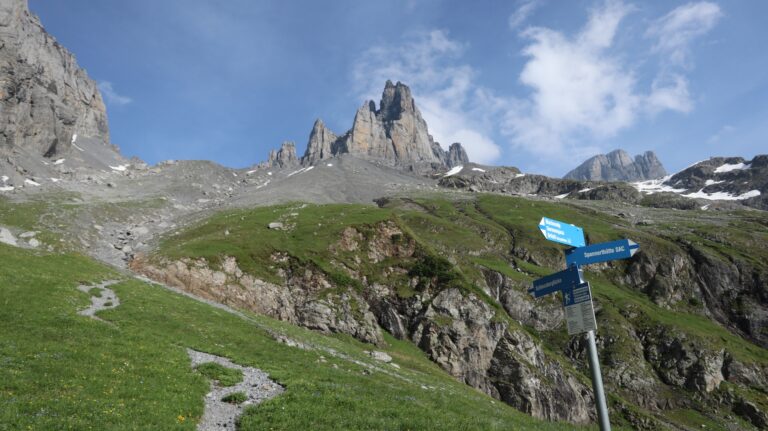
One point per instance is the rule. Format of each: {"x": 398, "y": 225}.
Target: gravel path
{"x": 220, "y": 415}
{"x": 108, "y": 299}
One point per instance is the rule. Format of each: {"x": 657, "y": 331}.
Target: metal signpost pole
{"x": 597, "y": 384}
{"x": 597, "y": 379}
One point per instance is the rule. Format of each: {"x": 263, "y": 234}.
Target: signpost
{"x": 577, "y": 296}
{"x": 603, "y": 252}
{"x": 563, "y": 233}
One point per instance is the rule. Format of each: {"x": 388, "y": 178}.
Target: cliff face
{"x": 45, "y": 97}
{"x": 619, "y": 166}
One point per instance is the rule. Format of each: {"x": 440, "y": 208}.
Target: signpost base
{"x": 597, "y": 384}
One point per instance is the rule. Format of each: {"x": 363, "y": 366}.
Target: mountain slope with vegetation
{"x": 681, "y": 324}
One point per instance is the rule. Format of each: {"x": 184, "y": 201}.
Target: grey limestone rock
{"x": 284, "y": 157}
{"x": 320, "y": 146}
{"x": 456, "y": 155}
{"x": 45, "y": 97}
{"x": 395, "y": 134}
{"x": 619, "y": 166}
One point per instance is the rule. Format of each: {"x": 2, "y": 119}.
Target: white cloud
{"x": 521, "y": 14}
{"x": 579, "y": 90}
{"x": 445, "y": 90}
{"x": 583, "y": 92}
{"x": 111, "y": 96}
{"x": 675, "y": 31}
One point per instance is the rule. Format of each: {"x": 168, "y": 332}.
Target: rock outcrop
{"x": 45, "y": 98}
{"x": 321, "y": 144}
{"x": 619, "y": 166}
{"x": 395, "y": 134}
{"x": 456, "y": 155}
{"x": 285, "y": 157}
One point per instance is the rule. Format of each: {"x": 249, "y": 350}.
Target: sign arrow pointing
{"x": 603, "y": 252}
{"x": 558, "y": 281}
{"x": 561, "y": 232}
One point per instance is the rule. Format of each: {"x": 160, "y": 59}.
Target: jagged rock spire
{"x": 284, "y": 157}
{"x": 320, "y": 145}
{"x": 396, "y": 133}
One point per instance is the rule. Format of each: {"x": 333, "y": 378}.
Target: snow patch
{"x": 250, "y": 172}
{"x": 329, "y": 164}
{"x": 55, "y": 180}
{"x": 58, "y": 162}
{"x": 478, "y": 169}
{"x": 269, "y": 173}
{"x": 300, "y": 171}
{"x": 120, "y": 168}
{"x": 7, "y": 189}
{"x": 731, "y": 167}
{"x": 655, "y": 186}
{"x": 705, "y": 207}
{"x": 234, "y": 174}
{"x": 519, "y": 175}
{"x": 74, "y": 138}
{"x": 562, "y": 196}
{"x": 76, "y": 146}
{"x": 584, "y": 190}
{"x": 454, "y": 170}
{"x": 712, "y": 182}
{"x": 32, "y": 183}
{"x": 723, "y": 196}
{"x": 5, "y": 178}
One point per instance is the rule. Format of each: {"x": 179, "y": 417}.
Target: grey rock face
{"x": 45, "y": 98}
{"x": 320, "y": 146}
{"x": 395, "y": 134}
{"x": 284, "y": 157}
{"x": 456, "y": 155}
{"x": 619, "y": 166}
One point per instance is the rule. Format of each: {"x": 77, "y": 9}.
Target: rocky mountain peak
{"x": 618, "y": 165}
{"x": 320, "y": 145}
{"x": 284, "y": 157}
{"x": 395, "y": 134}
{"x": 396, "y": 101}
{"x": 456, "y": 155}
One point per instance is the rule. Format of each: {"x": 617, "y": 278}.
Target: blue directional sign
{"x": 562, "y": 232}
{"x": 603, "y": 252}
{"x": 564, "y": 279}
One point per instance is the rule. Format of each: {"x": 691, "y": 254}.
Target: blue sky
{"x": 538, "y": 84}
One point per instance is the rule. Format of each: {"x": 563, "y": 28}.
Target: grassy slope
{"x": 480, "y": 232}
{"x": 59, "y": 370}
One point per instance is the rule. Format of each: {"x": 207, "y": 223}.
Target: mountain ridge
{"x": 618, "y": 166}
